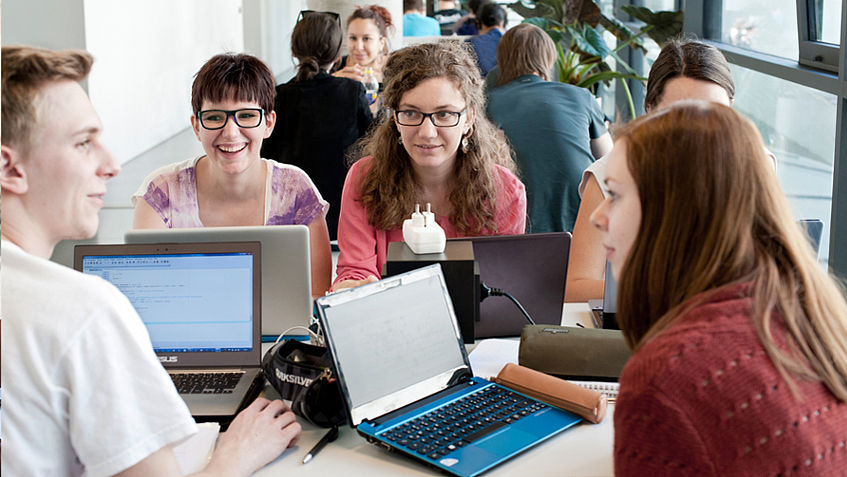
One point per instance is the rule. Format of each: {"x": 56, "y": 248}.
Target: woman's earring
{"x": 465, "y": 144}
{"x": 400, "y": 140}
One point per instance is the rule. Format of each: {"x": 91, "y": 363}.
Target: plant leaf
{"x": 590, "y": 41}
{"x": 665, "y": 24}
{"x": 606, "y": 76}
{"x": 537, "y": 9}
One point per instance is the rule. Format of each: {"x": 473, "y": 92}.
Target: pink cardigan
{"x": 364, "y": 247}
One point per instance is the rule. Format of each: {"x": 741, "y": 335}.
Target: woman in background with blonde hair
{"x": 435, "y": 146}
{"x": 739, "y": 336}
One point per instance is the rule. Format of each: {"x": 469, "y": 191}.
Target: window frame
{"x": 818, "y": 65}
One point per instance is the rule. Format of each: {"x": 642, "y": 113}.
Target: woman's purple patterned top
{"x": 290, "y": 198}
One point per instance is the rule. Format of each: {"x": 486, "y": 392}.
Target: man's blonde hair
{"x": 26, "y": 70}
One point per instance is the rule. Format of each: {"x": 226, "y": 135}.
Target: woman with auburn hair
{"x": 435, "y": 147}
{"x": 683, "y": 70}
{"x": 739, "y": 336}
{"x": 367, "y": 43}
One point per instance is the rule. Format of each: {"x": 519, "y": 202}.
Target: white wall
{"x": 54, "y": 24}
{"x": 148, "y": 51}
{"x": 147, "y": 54}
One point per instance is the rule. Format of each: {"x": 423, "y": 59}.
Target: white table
{"x": 584, "y": 450}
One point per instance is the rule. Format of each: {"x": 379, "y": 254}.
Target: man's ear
{"x": 13, "y": 176}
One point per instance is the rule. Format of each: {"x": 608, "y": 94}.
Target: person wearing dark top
{"x": 467, "y": 25}
{"x": 492, "y": 18}
{"x": 318, "y": 115}
{"x": 447, "y": 14}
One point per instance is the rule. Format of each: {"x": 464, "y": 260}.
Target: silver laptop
{"x": 286, "y": 269}
{"x": 201, "y": 306}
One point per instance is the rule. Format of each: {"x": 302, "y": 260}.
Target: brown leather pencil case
{"x": 585, "y": 403}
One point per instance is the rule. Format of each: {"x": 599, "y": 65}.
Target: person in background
{"x": 415, "y": 21}
{"x": 739, "y": 336}
{"x": 683, "y": 70}
{"x": 447, "y": 14}
{"x": 367, "y": 43}
{"x": 556, "y": 129}
{"x": 436, "y": 147}
{"x": 83, "y": 392}
{"x": 492, "y": 18}
{"x": 318, "y": 116}
{"x": 230, "y": 184}
{"x": 467, "y": 25}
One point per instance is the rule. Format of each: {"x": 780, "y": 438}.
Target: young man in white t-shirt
{"x": 83, "y": 392}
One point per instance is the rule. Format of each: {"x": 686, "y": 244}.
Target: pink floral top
{"x": 364, "y": 247}
{"x": 290, "y": 198}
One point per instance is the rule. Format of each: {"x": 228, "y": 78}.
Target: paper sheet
{"x": 489, "y": 356}
{"x": 194, "y": 453}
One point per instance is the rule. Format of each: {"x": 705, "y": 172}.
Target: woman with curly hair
{"x": 436, "y": 146}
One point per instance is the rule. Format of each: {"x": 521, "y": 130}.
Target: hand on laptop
{"x": 257, "y": 435}
{"x": 344, "y": 284}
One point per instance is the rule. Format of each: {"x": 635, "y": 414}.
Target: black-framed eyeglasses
{"x": 245, "y": 118}
{"x": 441, "y": 119}
{"x": 304, "y": 13}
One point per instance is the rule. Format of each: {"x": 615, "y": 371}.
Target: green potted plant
{"x": 576, "y": 27}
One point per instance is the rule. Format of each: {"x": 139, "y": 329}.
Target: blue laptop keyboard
{"x": 461, "y": 422}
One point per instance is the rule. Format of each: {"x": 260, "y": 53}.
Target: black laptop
{"x": 532, "y": 268}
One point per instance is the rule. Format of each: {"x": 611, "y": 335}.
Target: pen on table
{"x": 330, "y": 436}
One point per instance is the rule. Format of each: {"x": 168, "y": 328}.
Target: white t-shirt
{"x": 83, "y": 392}
{"x": 598, "y": 170}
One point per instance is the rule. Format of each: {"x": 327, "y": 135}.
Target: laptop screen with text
{"x": 189, "y": 302}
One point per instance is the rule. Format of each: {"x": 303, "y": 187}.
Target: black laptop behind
{"x": 532, "y": 268}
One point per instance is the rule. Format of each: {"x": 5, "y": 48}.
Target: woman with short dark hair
{"x": 230, "y": 184}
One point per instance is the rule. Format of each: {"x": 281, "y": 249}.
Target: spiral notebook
{"x": 602, "y": 387}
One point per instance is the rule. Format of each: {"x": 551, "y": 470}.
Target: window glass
{"x": 828, "y": 16}
{"x": 660, "y": 5}
{"x": 798, "y": 126}
{"x": 769, "y": 26}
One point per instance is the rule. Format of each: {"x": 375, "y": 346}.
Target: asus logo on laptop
{"x": 168, "y": 359}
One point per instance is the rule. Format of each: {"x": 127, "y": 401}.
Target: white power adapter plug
{"x": 422, "y": 233}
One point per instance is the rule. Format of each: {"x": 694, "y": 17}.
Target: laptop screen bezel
{"x": 393, "y": 401}
{"x": 251, "y": 357}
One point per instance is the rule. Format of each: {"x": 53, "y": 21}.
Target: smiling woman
{"x": 437, "y": 147}
{"x": 367, "y": 43}
{"x": 233, "y": 100}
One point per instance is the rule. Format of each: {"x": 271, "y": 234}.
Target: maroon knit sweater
{"x": 703, "y": 398}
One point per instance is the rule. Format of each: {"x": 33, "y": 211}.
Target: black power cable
{"x": 485, "y": 291}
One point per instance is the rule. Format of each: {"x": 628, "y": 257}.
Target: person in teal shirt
{"x": 416, "y": 23}
{"x": 555, "y": 129}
